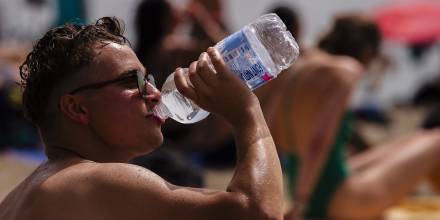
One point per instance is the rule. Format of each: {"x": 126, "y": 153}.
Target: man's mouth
{"x": 159, "y": 121}
{"x": 157, "y": 115}
{"x": 160, "y": 111}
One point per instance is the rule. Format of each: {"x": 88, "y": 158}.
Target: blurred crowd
{"x": 332, "y": 124}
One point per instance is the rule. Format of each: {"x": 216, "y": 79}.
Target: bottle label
{"x": 241, "y": 59}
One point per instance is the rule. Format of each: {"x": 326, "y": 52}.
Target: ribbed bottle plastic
{"x": 256, "y": 54}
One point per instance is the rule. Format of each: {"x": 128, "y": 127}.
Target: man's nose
{"x": 153, "y": 94}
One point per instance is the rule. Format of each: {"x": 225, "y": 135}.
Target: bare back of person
{"x": 295, "y": 95}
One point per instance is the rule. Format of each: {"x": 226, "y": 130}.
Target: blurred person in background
{"x": 93, "y": 103}
{"x": 162, "y": 49}
{"x": 158, "y": 45}
{"x": 381, "y": 176}
{"x": 162, "y": 46}
{"x": 160, "y": 41}
{"x": 306, "y": 110}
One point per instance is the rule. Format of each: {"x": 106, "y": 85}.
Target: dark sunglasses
{"x": 139, "y": 76}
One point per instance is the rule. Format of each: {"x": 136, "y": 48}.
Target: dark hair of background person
{"x": 59, "y": 54}
{"x": 152, "y": 21}
{"x": 290, "y": 18}
{"x": 352, "y": 35}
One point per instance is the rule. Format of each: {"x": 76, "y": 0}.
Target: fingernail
{"x": 202, "y": 55}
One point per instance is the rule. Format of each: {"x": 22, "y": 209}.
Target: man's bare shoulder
{"x": 124, "y": 191}
{"x": 88, "y": 176}
{"x": 90, "y": 190}
{"x": 79, "y": 190}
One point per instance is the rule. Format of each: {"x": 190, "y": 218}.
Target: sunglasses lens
{"x": 141, "y": 84}
{"x": 150, "y": 79}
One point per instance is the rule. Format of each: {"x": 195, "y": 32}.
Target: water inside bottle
{"x": 181, "y": 109}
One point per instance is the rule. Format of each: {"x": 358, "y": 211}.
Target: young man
{"x": 85, "y": 90}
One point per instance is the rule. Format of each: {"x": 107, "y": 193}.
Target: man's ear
{"x": 71, "y": 107}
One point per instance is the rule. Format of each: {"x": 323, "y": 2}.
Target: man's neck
{"x": 55, "y": 152}
{"x": 81, "y": 145}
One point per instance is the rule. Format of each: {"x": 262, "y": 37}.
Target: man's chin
{"x": 152, "y": 146}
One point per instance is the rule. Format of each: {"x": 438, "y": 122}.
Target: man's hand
{"x": 216, "y": 89}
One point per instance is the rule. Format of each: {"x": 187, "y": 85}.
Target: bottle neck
{"x": 162, "y": 111}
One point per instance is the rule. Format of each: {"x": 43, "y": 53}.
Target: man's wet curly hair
{"x": 59, "y": 53}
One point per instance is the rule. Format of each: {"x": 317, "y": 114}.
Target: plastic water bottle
{"x": 256, "y": 54}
